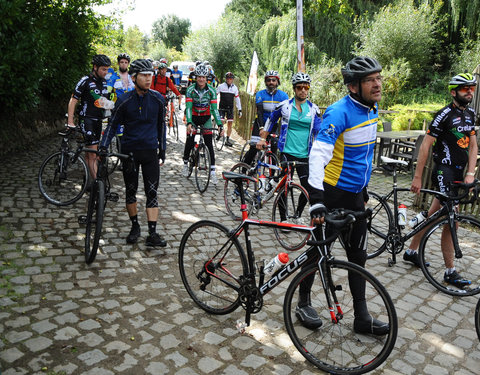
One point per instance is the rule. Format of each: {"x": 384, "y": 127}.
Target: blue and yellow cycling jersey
{"x": 269, "y": 101}
{"x": 117, "y": 86}
{"x": 343, "y": 149}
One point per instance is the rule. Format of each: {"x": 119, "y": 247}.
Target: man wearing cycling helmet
{"x": 340, "y": 168}
{"x": 142, "y": 112}
{"x": 168, "y": 72}
{"x": 453, "y": 138}
{"x": 91, "y": 91}
{"x": 211, "y": 78}
{"x": 200, "y": 105}
{"x": 192, "y": 78}
{"x": 120, "y": 82}
{"x": 228, "y": 93}
{"x": 162, "y": 83}
{"x": 266, "y": 100}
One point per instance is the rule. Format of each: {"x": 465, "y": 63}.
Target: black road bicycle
{"x": 385, "y": 233}
{"x": 219, "y": 276}
{"x": 199, "y": 159}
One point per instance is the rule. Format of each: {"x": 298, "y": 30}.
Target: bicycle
{"x": 63, "y": 175}
{"x": 219, "y": 276}
{"x": 219, "y": 139}
{"x": 114, "y": 146}
{"x": 199, "y": 159}
{"x": 383, "y": 227}
{"x": 99, "y": 195}
{"x": 288, "y": 205}
{"x": 171, "y": 116}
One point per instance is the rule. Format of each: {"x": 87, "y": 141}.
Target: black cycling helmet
{"x": 229, "y": 75}
{"x": 101, "y": 60}
{"x": 360, "y": 67}
{"x": 123, "y": 56}
{"x": 175, "y": 66}
{"x": 140, "y": 66}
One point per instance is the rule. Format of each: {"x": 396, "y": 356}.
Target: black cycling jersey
{"x": 452, "y": 128}
{"x": 192, "y": 78}
{"x": 88, "y": 90}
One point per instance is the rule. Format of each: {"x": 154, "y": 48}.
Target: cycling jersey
{"x": 161, "y": 84}
{"x": 192, "y": 78}
{"x": 344, "y": 145}
{"x": 177, "y": 77}
{"x": 452, "y": 128}
{"x": 284, "y": 110}
{"x": 116, "y": 84}
{"x": 201, "y": 102}
{"x": 143, "y": 118}
{"x": 211, "y": 79}
{"x": 88, "y": 90}
{"x": 268, "y": 102}
{"x": 228, "y": 93}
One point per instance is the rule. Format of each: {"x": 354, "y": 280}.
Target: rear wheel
{"x": 62, "y": 178}
{"x": 231, "y": 194}
{"x": 202, "y": 168}
{"x": 93, "y": 231}
{"x": 335, "y": 347}
{"x": 290, "y": 207}
{"x": 378, "y": 225}
{"x": 218, "y": 140}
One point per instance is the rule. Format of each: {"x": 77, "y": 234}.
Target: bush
{"x": 327, "y": 83}
{"x": 416, "y": 113}
{"x": 467, "y": 58}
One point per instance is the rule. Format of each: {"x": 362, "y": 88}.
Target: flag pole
{"x": 300, "y": 45}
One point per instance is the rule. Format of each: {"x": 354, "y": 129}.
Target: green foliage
{"x": 401, "y": 31}
{"x": 414, "y": 113}
{"x": 468, "y": 57}
{"x": 171, "y": 30}
{"x": 327, "y": 82}
{"x": 222, "y": 44}
{"x": 396, "y": 75}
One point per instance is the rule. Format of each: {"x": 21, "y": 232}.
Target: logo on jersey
{"x": 330, "y": 131}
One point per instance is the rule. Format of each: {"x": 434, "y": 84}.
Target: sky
{"x": 200, "y": 13}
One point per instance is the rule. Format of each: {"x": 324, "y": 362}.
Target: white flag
{"x": 252, "y": 78}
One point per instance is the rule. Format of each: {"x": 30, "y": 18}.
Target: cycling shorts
{"x": 92, "y": 130}
{"x": 226, "y": 114}
{"x": 444, "y": 175}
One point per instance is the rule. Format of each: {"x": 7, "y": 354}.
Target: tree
{"x": 171, "y": 30}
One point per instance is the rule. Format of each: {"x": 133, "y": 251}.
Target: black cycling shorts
{"x": 226, "y": 114}
{"x": 443, "y": 175}
{"x": 92, "y": 130}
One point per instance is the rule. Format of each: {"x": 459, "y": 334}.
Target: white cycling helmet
{"x": 301, "y": 78}
{"x": 201, "y": 71}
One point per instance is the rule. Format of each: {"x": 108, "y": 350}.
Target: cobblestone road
{"x": 128, "y": 312}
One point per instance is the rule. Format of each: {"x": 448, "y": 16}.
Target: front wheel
{"x": 202, "y": 168}
{"x": 437, "y": 242}
{"x": 289, "y": 207}
{"x": 96, "y": 207}
{"x": 335, "y": 347}
{"x": 62, "y": 178}
{"x": 378, "y": 225}
{"x": 218, "y": 140}
{"x": 231, "y": 193}
{"x": 211, "y": 265}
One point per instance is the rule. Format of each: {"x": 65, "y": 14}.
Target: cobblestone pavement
{"x": 128, "y": 312}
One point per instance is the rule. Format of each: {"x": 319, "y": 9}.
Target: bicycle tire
{"x": 63, "y": 180}
{"x": 378, "y": 225}
{"x": 191, "y": 162}
{"x": 113, "y": 161}
{"x": 477, "y": 319}
{"x": 335, "y": 347}
{"x": 219, "y": 141}
{"x": 231, "y": 195}
{"x": 175, "y": 127}
{"x": 198, "y": 248}
{"x": 288, "y": 209}
{"x": 202, "y": 168}
{"x": 93, "y": 230}
{"x": 468, "y": 234}
{"x": 242, "y": 153}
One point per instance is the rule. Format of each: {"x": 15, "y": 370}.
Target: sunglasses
{"x": 465, "y": 89}
{"x": 270, "y": 80}
{"x": 302, "y": 87}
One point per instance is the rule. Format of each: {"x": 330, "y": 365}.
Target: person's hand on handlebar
{"x": 317, "y": 208}
{"x": 189, "y": 128}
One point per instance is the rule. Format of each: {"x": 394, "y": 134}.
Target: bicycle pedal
{"x": 82, "y": 219}
{"x": 113, "y": 197}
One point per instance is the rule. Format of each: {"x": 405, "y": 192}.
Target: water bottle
{"x": 418, "y": 219}
{"x": 402, "y": 214}
{"x": 275, "y": 264}
{"x": 263, "y": 183}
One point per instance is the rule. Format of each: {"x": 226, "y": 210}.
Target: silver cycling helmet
{"x": 301, "y": 78}
{"x": 462, "y": 79}
{"x": 201, "y": 71}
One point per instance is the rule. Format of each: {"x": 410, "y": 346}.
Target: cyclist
{"x": 162, "y": 83}
{"x": 211, "y": 78}
{"x": 92, "y": 93}
{"x": 298, "y": 117}
{"x": 155, "y": 64}
{"x": 228, "y": 93}
{"x": 142, "y": 112}
{"x": 120, "y": 82}
{"x": 200, "y": 105}
{"x": 168, "y": 73}
{"x": 177, "y": 80}
{"x": 192, "y": 78}
{"x": 453, "y": 138}
{"x": 340, "y": 168}
{"x": 266, "y": 100}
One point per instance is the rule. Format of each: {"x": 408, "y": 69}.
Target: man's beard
{"x": 123, "y": 70}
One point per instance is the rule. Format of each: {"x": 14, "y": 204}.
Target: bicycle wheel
{"x": 211, "y": 265}
{"x": 96, "y": 207}
{"x": 468, "y": 266}
{"x": 202, "y": 168}
{"x": 62, "y": 178}
{"x": 231, "y": 194}
{"x": 218, "y": 140}
{"x": 290, "y": 207}
{"x": 191, "y": 162}
{"x": 378, "y": 225}
{"x": 335, "y": 347}
{"x": 175, "y": 127}
{"x": 477, "y": 319}
{"x": 244, "y": 150}
{"x": 113, "y": 161}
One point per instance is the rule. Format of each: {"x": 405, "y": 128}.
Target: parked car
{"x": 183, "y": 66}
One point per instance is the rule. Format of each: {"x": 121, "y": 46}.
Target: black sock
{"x": 228, "y": 137}
{"x": 152, "y": 227}
{"x": 134, "y": 220}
